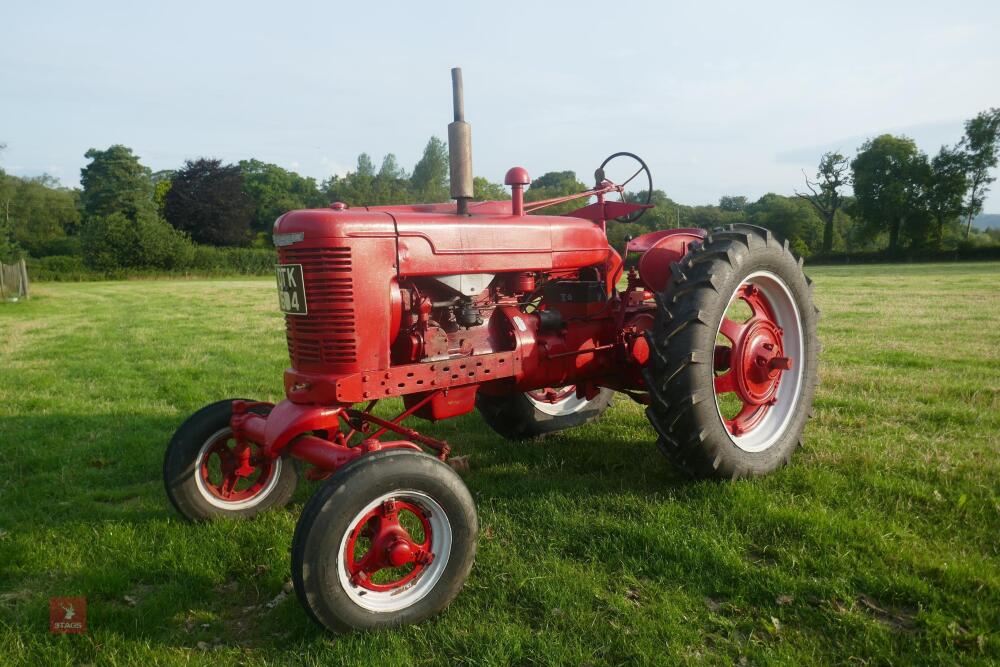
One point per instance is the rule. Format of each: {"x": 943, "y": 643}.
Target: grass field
{"x": 879, "y": 545}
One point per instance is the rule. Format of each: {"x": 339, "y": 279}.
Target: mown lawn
{"x": 879, "y": 545}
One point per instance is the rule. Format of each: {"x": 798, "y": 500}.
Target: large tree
{"x": 115, "y": 182}
{"x": 38, "y": 213}
{"x": 275, "y": 191}
{"x": 981, "y": 147}
{"x": 556, "y": 184}
{"x": 946, "y": 190}
{"x": 391, "y": 183}
{"x": 889, "y": 175}
{"x": 789, "y": 218}
{"x": 824, "y": 193}
{"x": 208, "y": 200}
{"x": 429, "y": 182}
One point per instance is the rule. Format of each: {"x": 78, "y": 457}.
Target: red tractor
{"x": 532, "y": 319}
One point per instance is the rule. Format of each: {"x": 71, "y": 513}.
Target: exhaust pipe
{"x": 459, "y": 146}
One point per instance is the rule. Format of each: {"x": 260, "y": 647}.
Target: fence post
{"x": 3, "y": 292}
{"x": 24, "y": 278}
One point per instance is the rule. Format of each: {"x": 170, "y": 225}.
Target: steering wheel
{"x": 600, "y": 176}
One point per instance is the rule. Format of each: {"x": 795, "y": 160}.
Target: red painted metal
{"x": 551, "y": 395}
{"x": 752, "y": 366}
{"x": 390, "y": 317}
{"x": 389, "y": 548}
{"x": 231, "y": 472}
{"x": 661, "y": 249}
{"x": 517, "y": 178}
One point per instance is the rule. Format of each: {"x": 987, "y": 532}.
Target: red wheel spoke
{"x": 757, "y": 303}
{"x": 229, "y": 485}
{"x": 725, "y": 383}
{"x": 392, "y": 550}
{"x": 744, "y": 420}
{"x": 235, "y": 462}
{"x": 731, "y": 330}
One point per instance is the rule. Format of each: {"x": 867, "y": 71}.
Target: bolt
{"x": 780, "y": 363}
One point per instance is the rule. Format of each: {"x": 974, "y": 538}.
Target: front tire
{"x": 209, "y": 476}
{"x": 388, "y": 540}
{"x": 730, "y": 396}
{"x": 537, "y": 413}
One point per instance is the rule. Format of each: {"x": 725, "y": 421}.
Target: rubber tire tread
{"x": 329, "y": 512}
{"x": 179, "y": 468}
{"x": 680, "y": 374}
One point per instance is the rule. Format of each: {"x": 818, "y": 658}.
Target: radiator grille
{"x": 327, "y": 335}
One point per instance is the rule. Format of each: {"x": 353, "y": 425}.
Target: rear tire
{"x": 686, "y": 372}
{"x": 345, "y": 536}
{"x": 523, "y": 416}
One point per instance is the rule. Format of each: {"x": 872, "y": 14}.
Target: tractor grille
{"x": 327, "y": 335}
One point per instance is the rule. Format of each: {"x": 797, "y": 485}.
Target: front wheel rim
{"x": 384, "y": 564}
{"x": 228, "y": 476}
{"x": 762, "y": 363}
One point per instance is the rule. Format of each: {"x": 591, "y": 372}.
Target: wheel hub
{"x": 231, "y": 473}
{"x": 760, "y": 362}
{"x": 752, "y": 367}
{"x": 391, "y": 548}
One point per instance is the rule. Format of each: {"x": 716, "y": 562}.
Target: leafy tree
{"x": 275, "y": 191}
{"x": 831, "y": 175}
{"x": 391, "y": 184}
{"x": 357, "y": 188}
{"x": 485, "y": 190}
{"x": 890, "y": 174}
{"x": 115, "y": 182}
{"x": 38, "y": 213}
{"x": 208, "y": 200}
{"x": 790, "y": 218}
{"x": 981, "y": 146}
{"x": 556, "y": 184}
{"x": 429, "y": 182}
{"x": 946, "y": 189}
{"x": 732, "y": 204}
{"x": 115, "y": 242}
{"x": 161, "y": 186}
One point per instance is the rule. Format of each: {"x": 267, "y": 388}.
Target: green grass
{"x": 879, "y": 545}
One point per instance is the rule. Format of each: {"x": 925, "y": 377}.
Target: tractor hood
{"x": 431, "y": 243}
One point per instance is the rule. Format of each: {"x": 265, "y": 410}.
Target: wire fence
{"x": 13, "y": 281}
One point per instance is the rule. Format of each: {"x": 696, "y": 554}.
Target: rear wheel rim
{"x": 557, "y": 401}
{"x": 760, "y": 363}
{"x": 394, "y": 551}
{"x": 230, "y": 477}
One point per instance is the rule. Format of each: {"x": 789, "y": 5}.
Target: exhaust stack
{"x": 459, "y": 146}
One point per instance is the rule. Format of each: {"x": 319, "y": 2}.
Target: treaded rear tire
{"x": 680, "y": 375}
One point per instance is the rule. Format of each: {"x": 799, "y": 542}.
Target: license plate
{"x": 291, "y": 289}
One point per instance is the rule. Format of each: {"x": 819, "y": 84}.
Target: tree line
{"x": 216, "y": 216}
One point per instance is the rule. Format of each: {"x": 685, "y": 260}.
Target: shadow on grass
{"x": 87, "y": 514}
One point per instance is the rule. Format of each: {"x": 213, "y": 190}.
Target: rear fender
{"x": 659, "y": 250}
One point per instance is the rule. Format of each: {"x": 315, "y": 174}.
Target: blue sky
{"x": 720, "y": 98}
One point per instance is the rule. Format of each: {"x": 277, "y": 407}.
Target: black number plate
{"x": 291, "y": 289}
